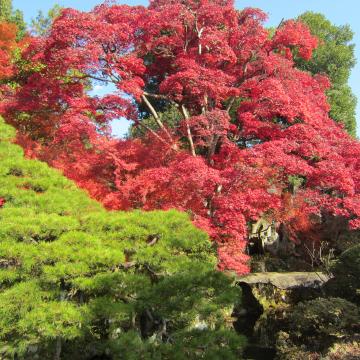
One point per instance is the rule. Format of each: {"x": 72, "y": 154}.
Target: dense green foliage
{"x": 77, "y": 281}
{"x": 334, "y": 57}
{"x": 349, "y": 263}
{"x": 313, "y": 327}
{"x": 5, "y": 9}
{"x": 347, "y": 275}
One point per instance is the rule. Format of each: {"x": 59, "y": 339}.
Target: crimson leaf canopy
{"x": 253, "y": 137}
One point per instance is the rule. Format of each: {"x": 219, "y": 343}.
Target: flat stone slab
{"x": 288, "y": 280}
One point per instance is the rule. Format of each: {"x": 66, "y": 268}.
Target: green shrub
{"x": 348, "y": 263}
{"x": 314, "y": 326}
{"x": 346, "y": 281}
{"x": 77, "y": 281}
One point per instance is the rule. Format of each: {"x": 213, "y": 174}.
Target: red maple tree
{"x": 254, "y": 140}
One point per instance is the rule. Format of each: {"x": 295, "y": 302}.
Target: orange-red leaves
{"x": 7, "y": 45}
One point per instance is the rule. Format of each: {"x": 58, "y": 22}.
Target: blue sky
{"x": 339, "y": 12}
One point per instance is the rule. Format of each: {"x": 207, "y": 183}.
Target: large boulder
{"x": 266, "y": 298}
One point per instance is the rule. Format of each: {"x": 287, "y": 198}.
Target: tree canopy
{"x": 232, "y": 142}
{"x": 278, "y": 156}
{"x": 7, "y": 46}
{"x": 334, "y": 57}
{"x": 42, "y": 23}
{"x": 5, "y": 9}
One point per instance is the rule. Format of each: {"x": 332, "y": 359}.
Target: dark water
{"x": 245, "y": 325}
{"x": 259, "y": 353}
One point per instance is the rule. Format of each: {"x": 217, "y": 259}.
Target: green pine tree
{"x": 77, "y": 281}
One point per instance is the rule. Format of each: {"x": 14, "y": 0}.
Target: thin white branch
{"x": 188, "y": 130}
{"x": 156, "y": 116}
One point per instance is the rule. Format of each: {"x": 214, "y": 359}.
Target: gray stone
{"x": 286, "y": 281}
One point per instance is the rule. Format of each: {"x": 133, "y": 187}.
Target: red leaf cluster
{"x": 255, "y": 139}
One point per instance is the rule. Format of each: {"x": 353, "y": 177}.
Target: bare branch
{"x": 281, "y": 23}
{"x": 156, "y": 96}
{"x": 212, "y": 147}
{"x": 199, "y": 34}
{"x": 231, "y": 103}
{"x": 153, "y": 111}
{"x": 188, "y": 130}
{"x": 87, "y": 76}
{"x": 156, "y": 116}
{"x": 152, "y": 132}
{"x": 161, "y": 97}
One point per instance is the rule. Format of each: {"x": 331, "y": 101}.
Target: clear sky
{"x": 339, "y": 12}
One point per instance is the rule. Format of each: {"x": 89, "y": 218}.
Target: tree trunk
{"x": 58, "y": 349}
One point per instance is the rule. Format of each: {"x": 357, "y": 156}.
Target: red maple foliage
{"x": 255, "y": 139}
